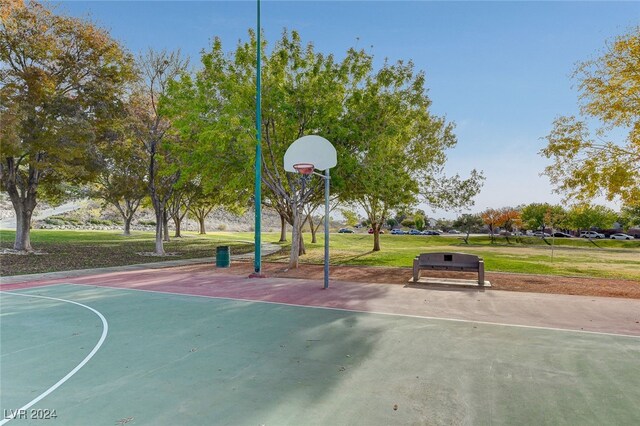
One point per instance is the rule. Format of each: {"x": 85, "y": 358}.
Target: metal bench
{"x": 459, "y": 262}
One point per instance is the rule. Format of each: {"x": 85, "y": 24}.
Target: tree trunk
{"x": 165, "y": 227}
{"x": 283, "y": 229}
{"x": 23, "y": 207}
{"x": 302, "y": 250}
{"x": 376, "y": 239}
{"x": 127, "y": 225}
{"x": 376, "y": 235}
{"x": 177, "y": 221}
{"x": 201, "y": 223}
{"x": 23, "y": 230}
{"x": 313, "y": 230}
{"x": 295, "y": 239}
{"x": 159, "y": 227}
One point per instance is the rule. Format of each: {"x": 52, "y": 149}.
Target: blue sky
{"x": 500, "y": 70}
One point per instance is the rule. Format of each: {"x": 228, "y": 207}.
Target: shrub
{"x": 100, "y": 222}
{"x": 54, "y": 221}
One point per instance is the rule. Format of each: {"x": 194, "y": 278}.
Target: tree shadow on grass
{"x": 347, "y": 260}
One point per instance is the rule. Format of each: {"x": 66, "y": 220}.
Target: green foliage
{"x": 409, "y": 223}
{"x": 585, "y": 166}
{"x": 211, "y": 112}
{"x": 392, "y": 150}
{"x": 61, "y": 84}
{"x": 468, "y": 223}
{"x": 350, "y": 217}
{"x": 629, "y": 216}
{"x": 54, "y": 221}
{"x": 444, "y": 224}
{"x": 540, "y": 215}
{"x": 585, "y": 216}
{"x": 60, "y": 87}
{"x": 100, "y": 222}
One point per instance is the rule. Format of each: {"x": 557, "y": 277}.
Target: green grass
{"x": 90, "y": 249}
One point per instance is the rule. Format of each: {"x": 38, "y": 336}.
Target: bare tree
{"x": 152, "y": 129}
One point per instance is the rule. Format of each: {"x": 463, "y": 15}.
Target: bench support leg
{"x": 416, "y": 270}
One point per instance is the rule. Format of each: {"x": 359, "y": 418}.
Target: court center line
{"x": 105, "y": 330}
{"x": 533, "y": 327}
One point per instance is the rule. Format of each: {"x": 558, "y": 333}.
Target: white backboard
{"x": 311, "y": 149}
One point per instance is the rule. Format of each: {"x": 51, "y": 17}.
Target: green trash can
{"x": 223, "y": 257}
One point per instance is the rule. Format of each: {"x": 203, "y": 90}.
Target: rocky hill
{"x": 90, "y": 214}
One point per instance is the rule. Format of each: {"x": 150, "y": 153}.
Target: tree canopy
{"x": 586, "y": 163}
{"x": 61, "y": 81}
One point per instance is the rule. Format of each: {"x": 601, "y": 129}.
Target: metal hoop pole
{"x": 326, "y": 228}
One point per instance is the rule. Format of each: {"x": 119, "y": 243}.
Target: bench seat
{"x": 457, "y": 262}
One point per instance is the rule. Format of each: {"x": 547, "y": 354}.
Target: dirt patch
{"x": 602, "y": 287}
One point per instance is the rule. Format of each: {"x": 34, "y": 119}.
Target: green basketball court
{"x": 151, "y": 358}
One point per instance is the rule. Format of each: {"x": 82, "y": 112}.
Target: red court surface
{"x": 580, "y": 313}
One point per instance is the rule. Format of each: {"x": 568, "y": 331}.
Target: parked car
{"x": 541, "y": 234}
{"x": 621, "y": 236}
{"x": 414, "y": 232}
{"x": 562, "y": 235}
{"x": 591, "y": 234}
{"x": 430, "y": 232}
{"x": 453, "y": 231}
{"x": 506, "y": 233}
{"x": 370, "y": 231}
{"x": 345, "y": 231}
{"x": 397, "y": 232}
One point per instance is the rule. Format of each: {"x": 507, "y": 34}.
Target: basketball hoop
{"x": 304, "y": 168}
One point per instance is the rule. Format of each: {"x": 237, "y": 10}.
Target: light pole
{"x": 257, "y": 194}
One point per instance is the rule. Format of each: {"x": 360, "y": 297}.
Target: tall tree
{"x": 629, "y": 216}
{"x": 510, "y": 218}
{"x": 468, "y": 223}
{"x": 585, "y": 166}
{"x": 586, "y": 217}
{"x": 120, "y": 182}
{"x": 302, "y": 93}
{"x": 178, "y": 205}
{"x": 541, "y": 215}
{"x": 153, "y": 130}
{"x": 350, "y": 217}
{"x": 392, "y": 149}
{"x": 61, "y": 79}
{"x": 493, "y": 218}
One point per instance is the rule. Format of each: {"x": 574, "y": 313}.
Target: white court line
{"x": 105, "y": 329}
{"x": 534, "y": 327}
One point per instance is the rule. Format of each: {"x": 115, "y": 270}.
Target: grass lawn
{"x": 571, "y": 257}
{"x": 66, "y": 250}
